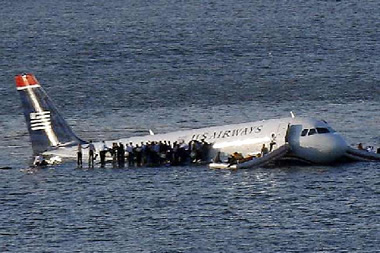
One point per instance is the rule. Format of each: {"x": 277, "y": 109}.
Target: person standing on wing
{"x": 79, "y": 156}
{"x": 91, "y": 152}
{"x": 102, "y": 153}
{"x": 272, "y": 142}
{"x": 264, "y": 150}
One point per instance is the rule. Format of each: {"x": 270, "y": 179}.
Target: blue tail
{"x": 47, "y": 129}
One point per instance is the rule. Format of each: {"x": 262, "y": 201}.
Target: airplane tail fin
{"x": 47, "y": 129}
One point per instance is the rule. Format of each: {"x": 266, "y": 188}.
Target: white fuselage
{"x": 311, "y": 140}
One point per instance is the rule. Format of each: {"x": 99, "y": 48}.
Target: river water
{"x": 119, "y": 68}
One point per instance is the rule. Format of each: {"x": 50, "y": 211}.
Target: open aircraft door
{"x": 294, "y": 134}
{"x": 281, "y": 133}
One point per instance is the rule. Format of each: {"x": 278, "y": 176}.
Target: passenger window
{"x": 322, "y": 130}
{"x": 312, "y": 131}
{"x": 304, "y": 132}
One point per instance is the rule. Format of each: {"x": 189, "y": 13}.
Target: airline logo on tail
{"x": 40, "y": 120}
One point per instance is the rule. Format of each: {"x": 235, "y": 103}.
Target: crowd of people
{"x": 237, "y": 157}
{"x": 154, "y": 153}
{"x": 368, "y": 148}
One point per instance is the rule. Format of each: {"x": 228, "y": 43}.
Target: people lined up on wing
{"x": 370, "y": 149}
{"x": 152, "y": 153}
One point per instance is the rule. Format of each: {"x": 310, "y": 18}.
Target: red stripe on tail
{"x": 25, "y": 80}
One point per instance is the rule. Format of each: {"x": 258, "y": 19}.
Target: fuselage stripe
{"x": 28, "y": 87}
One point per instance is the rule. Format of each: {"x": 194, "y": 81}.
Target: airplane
{"x": 310, "y": 140}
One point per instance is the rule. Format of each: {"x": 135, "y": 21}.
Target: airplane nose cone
{"x": 321, "y": 149}
{"x": 330, "y": 149}
{"x": 336, "y": 147}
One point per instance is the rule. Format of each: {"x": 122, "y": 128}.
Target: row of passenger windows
{"x": 318, "y": 130}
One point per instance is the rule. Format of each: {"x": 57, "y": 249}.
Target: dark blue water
{"x": 118, "y": 68}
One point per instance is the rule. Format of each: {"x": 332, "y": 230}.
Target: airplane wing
{"x": 361, "y": 155}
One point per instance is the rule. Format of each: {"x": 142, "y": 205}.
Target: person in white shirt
{"x": 102, "y": 152}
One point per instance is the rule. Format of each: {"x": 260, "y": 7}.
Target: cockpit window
{"x": 322, "y": 130}
{"x": 331, "y": 130}
{"x": 318, "y": 130}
